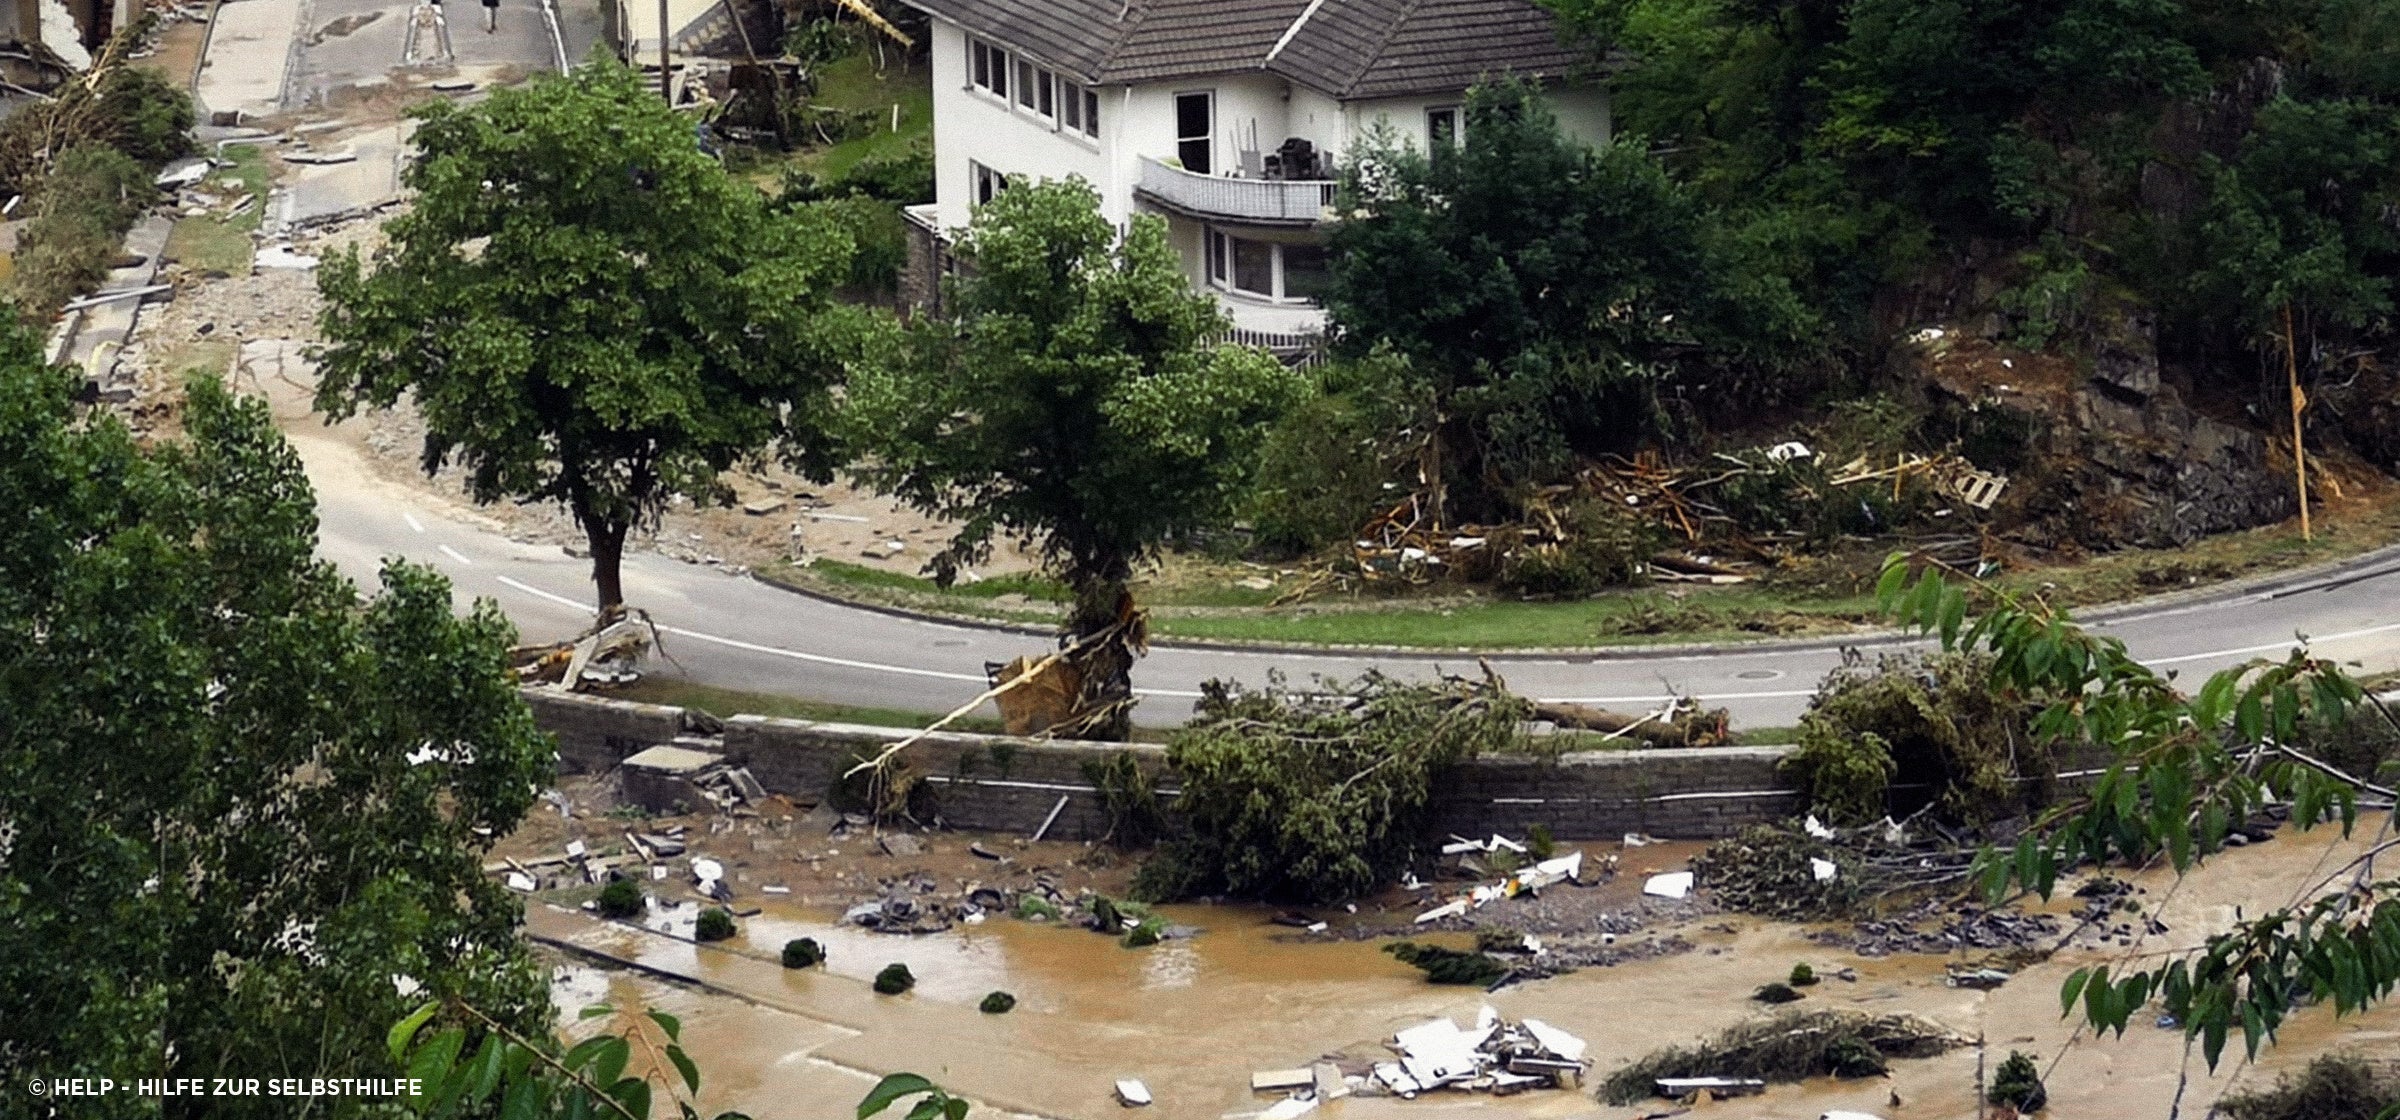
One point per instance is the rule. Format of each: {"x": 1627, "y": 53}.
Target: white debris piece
{"x": 282, "y": 256}
{"x": 575, "y": 849}
{"x": 183, "y": 173}
{"x": 1289, "y": 1107}
{"x": 1816, "y": 828}
{"x": 658, "y": 871}
{"x": 1396, "y": 1079}
{"x": 1790, "y": 450}
{"x": 706, "y": 871}
{"x": 1445, "y": 910}
{"x": 1550, "y": 1038}
{"x": 1823, "y": 869}
{"x": 1273, "y": 1080}
{"x": 1499, "y": 842}
{"x": 520, "y": 881}
{"x": 1132, "y": 1093}
{"x": 1673, "y": 884}
{"x": 1637, "y": 840}
{"x": 1840, "y": 1115}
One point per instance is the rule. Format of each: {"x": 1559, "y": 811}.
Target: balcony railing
{"x": 1291, "y": 201}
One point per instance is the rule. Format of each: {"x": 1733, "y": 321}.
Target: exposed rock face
{"x": 2118, "y": 459}
{"x": 2365, "y": 412}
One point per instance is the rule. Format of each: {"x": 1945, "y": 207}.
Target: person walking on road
{"x": 491, "y": 16}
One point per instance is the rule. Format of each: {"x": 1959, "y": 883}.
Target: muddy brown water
{"x": 1194, "y": 1018}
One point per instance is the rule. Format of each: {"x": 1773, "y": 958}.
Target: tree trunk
{"x": 1106, "y": 667}
{"x": 607, "y": 540}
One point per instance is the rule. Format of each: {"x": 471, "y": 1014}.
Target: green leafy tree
{"x": 242, "y": 811}
{"x": 470, "y": 1063}
{"x": 586, "y": 309}
{"x": 1076, "y": 396}
{"x": 2187, "y": 769}
{"x": 1558, "y": 299}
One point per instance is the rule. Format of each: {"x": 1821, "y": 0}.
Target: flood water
{"x": 1193, "y": 1019}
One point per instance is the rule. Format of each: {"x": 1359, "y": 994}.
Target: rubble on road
{"x": 1942, "y": 927}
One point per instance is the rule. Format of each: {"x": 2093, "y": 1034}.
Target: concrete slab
{"x": 249, "y": 51}
{"x": 673, "y": 760}
{"x": 94, "y": 336}
{"x": 319, "y": 192}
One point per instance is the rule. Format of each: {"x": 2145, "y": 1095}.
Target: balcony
{"x": 1284, "y": 202}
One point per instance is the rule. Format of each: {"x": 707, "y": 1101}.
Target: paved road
{"x": 351, "y": 46}
{"x": 735, "y": 632}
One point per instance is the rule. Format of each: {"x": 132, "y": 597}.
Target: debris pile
{"x": 1527, "y": 880}
{"x": 1943, "y": 927}
{"x": 1792, "y": 1046}
{"x": 1495, "y": 1056}
{"x": 604, "y": 655}
{"x": 1813, "y": 871}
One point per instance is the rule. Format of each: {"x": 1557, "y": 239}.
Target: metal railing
{"x": 1300, "y": 348}
{"x": 1258, "y": 200}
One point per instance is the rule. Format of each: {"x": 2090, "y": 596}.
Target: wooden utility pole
{"x": 2291, "y": 370}
{"x": 666, "y": 87}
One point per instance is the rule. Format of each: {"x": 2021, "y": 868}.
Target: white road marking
{"x": 413, "y": 523}
{"x": 455, "y": 554}
{"x": 2277, "y": 647}
{"x": 754, "y": 647}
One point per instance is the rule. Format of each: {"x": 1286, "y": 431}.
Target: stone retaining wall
{"x": 1003, "y": 784}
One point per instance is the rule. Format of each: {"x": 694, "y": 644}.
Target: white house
{"x": 1224, "y": 116}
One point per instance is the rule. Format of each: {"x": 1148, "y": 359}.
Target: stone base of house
{"x": 929, "y": 261}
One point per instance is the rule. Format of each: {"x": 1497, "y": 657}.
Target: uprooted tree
{"x": 1318, "y": 795}
{"x": 2188, "y": 768}
{"x": 587, "y": 309}
{"x": 242, "y": 811}
{"x": 1076, "y": 395}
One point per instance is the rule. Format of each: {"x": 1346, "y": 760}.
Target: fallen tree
{"x": 1318, "y": 796}
{"x": 1793, "y": 1046}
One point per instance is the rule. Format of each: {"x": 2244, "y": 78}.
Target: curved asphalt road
{"x": 734, "y": 632}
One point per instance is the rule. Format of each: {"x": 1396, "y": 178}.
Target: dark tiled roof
{"x": 1347, "y": 48}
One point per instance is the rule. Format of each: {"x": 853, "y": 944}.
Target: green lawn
{"x": 854, "y": 83}
{"x": 220, "y": 241}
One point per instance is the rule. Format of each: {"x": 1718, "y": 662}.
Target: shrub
{"x": 1319, "y": 796}
{"x": 1788, "y": 1046}
{"x": 1802, "y": 976}
{"x": 149, "y": 118}
{"x": 1450, "y": 966}
{"x": 879, "y": 242}
{"x": 1498, "y": 939}
{"x": 1846, "y": 778}
{"x": 1146, "y": 932}
{"x": 1605, "y": 547}
{"x": 998, "y": 1003}
{"x": 2018, "y": 1084}
{"x": 1035, "y": 908}
{"x": 1539, "y": 843}
{"x": 2331, "y": 1087}
{"x": 715, "y": 924}
{"x": 1324, "y": 469}
{"x": 1129, "y": 798}
{"x": 904, "y": 178}
{"x": 803, "y": 952}
{"x": 1851, "y": 1056}
{"x": 621, "y": 898}
{"x": 894, "y": 979}
{"x": 1941, "y": 725}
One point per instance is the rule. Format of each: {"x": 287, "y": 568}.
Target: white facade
{"x": 1143, "y": 157}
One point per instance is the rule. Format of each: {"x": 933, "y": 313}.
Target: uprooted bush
{"x": 2332, "y": 1087}
{"x": 1317, "y": 796}
{"x": 1604, "y": 547}
{"x": 134, "y": 110}
{"x": 715, "y": 924}
{"x": 1792, "y": 1046}
{"x": 1766, "y": 869}
{"x": 1450, "y": 966}
{"x": 1946, "y": 736}
{"x": 803, "y": 952}
{"x": 79, "y": 218}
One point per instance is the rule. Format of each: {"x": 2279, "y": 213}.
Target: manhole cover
{"x": 1758, "y": 674}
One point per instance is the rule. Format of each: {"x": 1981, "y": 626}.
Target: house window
{"x": 987, "y": 67}
{"x": 1046, "y": 103}
{"x": 1025, "y": 72}
{"x": 1441, "y": 128}
{"x": 1070, "y": 106}
{"x": 1267, "y": 269}
{"x": 985, "y": 183}
{"x": 1091, "y": 114}
{"x": 1195, "y": 130}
